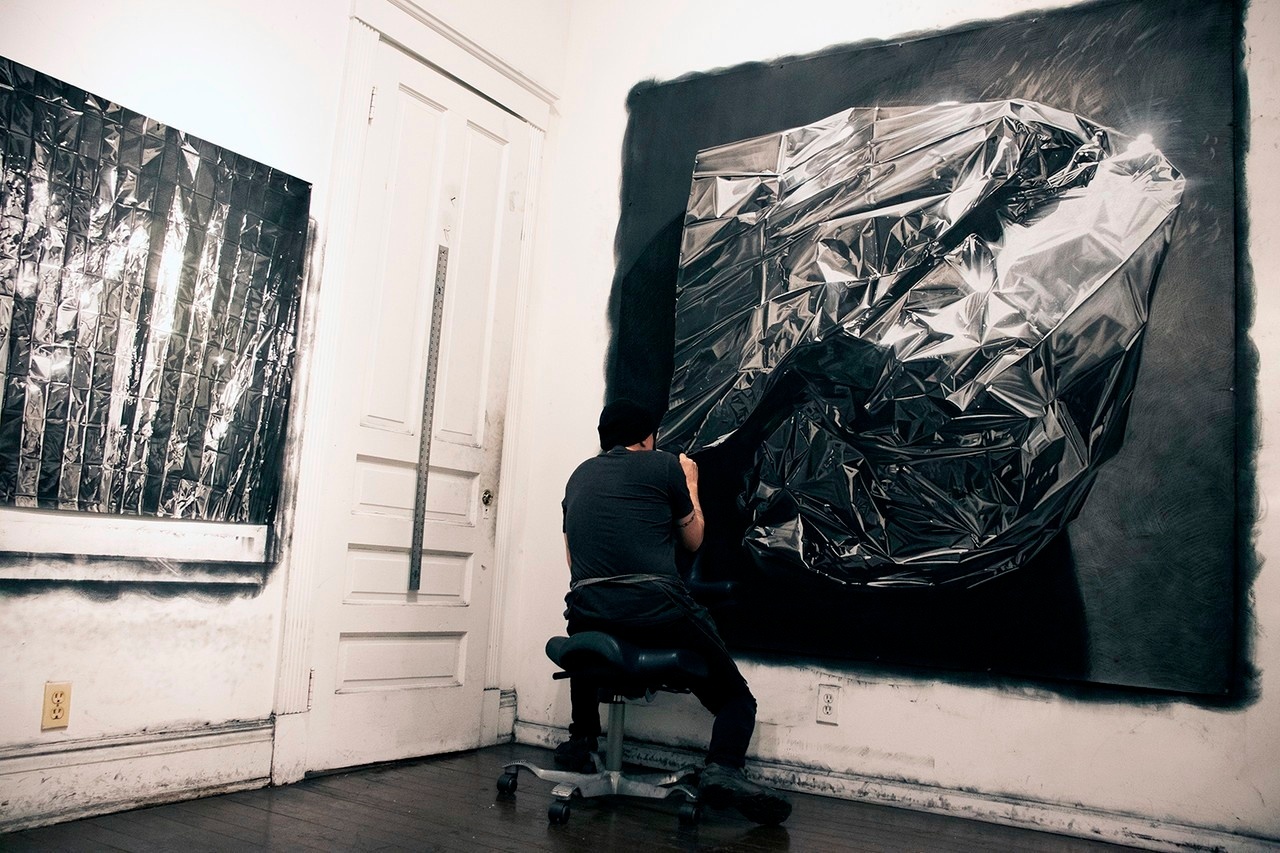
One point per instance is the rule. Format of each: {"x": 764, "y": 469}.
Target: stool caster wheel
{"x": 558, "y": 812}
{"x": 690, "y": 814}
{"x": 507, "y": 783}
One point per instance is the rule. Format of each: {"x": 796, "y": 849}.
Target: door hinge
{"x": 311, "y": 683}
{"x": 373, "y": 99}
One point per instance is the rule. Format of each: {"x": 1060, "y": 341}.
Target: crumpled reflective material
{"x": 923, "y": 324}
{"x": 149, "y": 293}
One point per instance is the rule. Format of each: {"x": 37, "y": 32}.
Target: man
{"x": 623, "y": 513}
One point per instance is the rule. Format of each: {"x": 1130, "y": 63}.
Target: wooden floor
{"x": 451, "y": 803}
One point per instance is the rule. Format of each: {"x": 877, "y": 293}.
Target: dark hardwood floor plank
{"x": 81, "y": 835}
{"x": 219, "y": 819}
{"x": 205, "y": 814}
{"x": 453, "y": 827}
{"x": 161, "y": 829}
{"x": 20, "y": 842}
{"x": 450, "y": 803}
{"x": 372, "y": 830}
{"x": 275, "y": 831}
{"x": 388, "y": 829}
{"x": 461, "y": 820}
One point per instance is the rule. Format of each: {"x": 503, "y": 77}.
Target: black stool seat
{"x": 620, "y": 671}
{"x": 622, "y": 667}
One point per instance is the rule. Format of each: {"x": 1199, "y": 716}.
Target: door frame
{"x": 416, "y": 31}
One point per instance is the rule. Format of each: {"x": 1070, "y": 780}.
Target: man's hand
{"x": 690, "y": 472}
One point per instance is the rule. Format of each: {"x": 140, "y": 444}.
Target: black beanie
{"x": 624, "y": 422}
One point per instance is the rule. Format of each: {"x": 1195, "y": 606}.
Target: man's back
{"x": 619, "y": 514}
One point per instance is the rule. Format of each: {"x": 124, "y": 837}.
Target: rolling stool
{"x": 623, "y": 671}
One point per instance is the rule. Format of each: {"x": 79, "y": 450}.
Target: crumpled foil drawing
{"x": 149, "y": 293}
{"x": 924, "y": 324}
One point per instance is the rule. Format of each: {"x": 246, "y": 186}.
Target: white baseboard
{"x": 506, "y": 716}
{"x": 498, "y": 716}
{"x": 49, "y": 783}
{"x": 289, "y": 749}
{"x": 1098, "y": 825}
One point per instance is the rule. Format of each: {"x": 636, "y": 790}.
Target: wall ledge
{"x": 69, "y": 547}
{"x": 1114, "y": 827}
{"x": 44, "y": 568}
{"x": 44, "y": 783}
{"x": 50, "y": 531}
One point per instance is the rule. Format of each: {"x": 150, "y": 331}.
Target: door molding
{"x": 293, "y": 686}
{"x": 402, "y": 23}
{"x": 504, "y": 546}
{"x": 498, "y": 712}
{"x": 439, "y": 45}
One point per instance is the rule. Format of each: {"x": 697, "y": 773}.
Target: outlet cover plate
{"x": 57, "y": 705}
{"x": 829, "y": 704}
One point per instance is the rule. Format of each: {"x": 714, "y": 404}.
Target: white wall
{"x": 1170, "y": 762}
{"x": 172, "y": 692}
{"x": 527, "y": 36}
{"x": 260, "y": 79}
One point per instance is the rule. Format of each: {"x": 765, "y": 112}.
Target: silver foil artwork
{"x": 923, "y": 324}
{"x": 149, "y": 292}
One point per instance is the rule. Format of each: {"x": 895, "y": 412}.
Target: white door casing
{"x": 399, "y": 673}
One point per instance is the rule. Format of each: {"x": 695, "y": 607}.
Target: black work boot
{"x": 721, "y": 787}
{"x": 575, "y": 755}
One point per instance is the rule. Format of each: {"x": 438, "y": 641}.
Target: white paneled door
{"x": 400, "y": 671}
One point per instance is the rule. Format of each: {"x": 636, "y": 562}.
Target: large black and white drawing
{"x": 897, "y": 398}
{"x": 149, "y": 293}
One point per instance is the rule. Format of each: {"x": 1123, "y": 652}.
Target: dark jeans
{"x": 724, "y": 692}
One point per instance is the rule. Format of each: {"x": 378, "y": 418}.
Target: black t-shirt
{"x": 620, "y": 510}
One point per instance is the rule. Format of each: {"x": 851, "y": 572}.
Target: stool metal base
{"x": 608, "y": 780}
{"x": 655, "y": 786}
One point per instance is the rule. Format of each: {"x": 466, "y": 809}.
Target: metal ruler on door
{"x": 428, "y": 414}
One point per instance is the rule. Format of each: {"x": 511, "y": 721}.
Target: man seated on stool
{"x": 623, "y": 511}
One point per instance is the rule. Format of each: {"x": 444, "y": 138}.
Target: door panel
{"x": 401, "y": 672}
{"x": 379, "y": 661}
{"x": 464, "y": 367}
{"x": 393, "y": 392}
{"x": 376, "y": 576}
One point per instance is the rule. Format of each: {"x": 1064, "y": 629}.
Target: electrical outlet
{"x": 57, "y": 705}
{"x": 829, "y": 704}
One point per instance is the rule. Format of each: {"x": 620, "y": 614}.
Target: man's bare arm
{"x": 691, "y": 527}
{"x": 567, "y": 557}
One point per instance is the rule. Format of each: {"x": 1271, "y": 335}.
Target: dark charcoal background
{"x": 1142, "y": 589}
